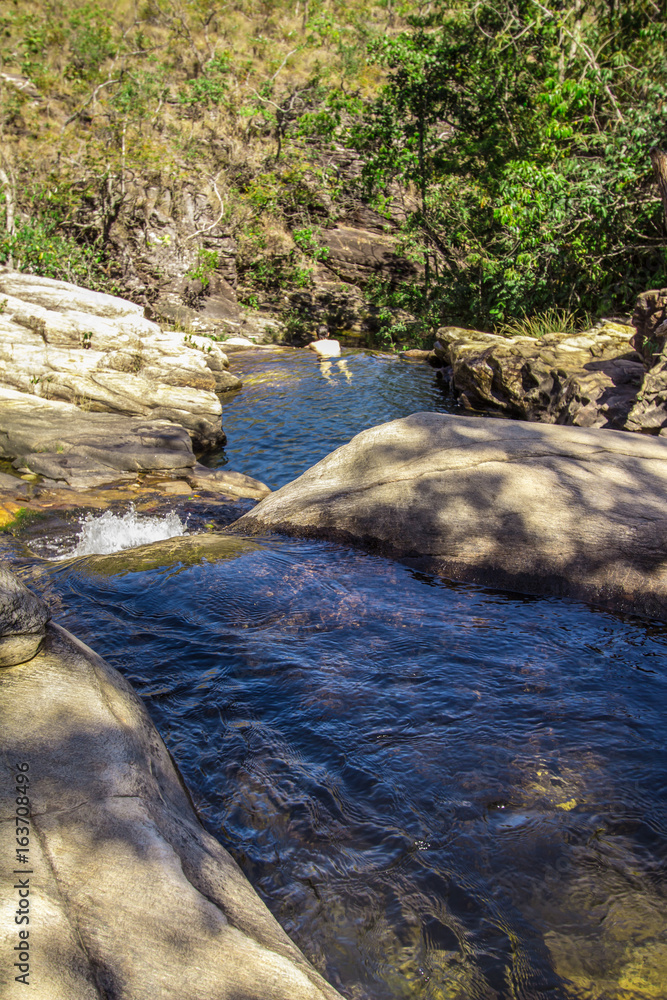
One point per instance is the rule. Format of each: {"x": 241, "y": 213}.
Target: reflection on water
{"x": 441, "y": 792}
{"x": 293, "y": 409}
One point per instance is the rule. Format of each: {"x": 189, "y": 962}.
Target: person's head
{"x": 322, "y": 332}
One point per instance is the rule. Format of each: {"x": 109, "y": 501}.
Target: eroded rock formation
{"x": 589, "y": 379}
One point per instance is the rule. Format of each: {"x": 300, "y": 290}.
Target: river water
{"x": 441, "y": 791}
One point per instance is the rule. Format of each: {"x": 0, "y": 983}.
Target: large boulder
{"x": 589, "y": 379}
{"x": 115, "y": 890}
{"x": 99, "y": 352}
{"x": 520, "y": 506}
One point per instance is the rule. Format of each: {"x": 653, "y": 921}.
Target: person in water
{"x": 327, "y": 349}
{"x": 323, "y": 346}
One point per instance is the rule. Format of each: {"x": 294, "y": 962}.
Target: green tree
{"x": 525, "y": 130}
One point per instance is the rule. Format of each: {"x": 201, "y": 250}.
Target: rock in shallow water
{"x": 129, "y": 897}
{"x": 62, "y": 442}
{"x": 519, "y": 506}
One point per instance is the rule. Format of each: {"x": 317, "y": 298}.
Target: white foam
{"x": 111, "y": 533}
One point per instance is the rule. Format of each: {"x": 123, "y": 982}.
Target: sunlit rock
{"x": 64, "y": 343}
{"x": 515, "y": 505}
{"x": 590, "y": 379}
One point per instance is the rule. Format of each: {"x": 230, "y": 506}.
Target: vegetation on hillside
{"x": 517, "y": 132}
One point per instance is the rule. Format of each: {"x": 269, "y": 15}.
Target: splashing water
{"x": 113, "y": 533}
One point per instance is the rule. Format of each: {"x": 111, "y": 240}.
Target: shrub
{"x": 38, "y": 247}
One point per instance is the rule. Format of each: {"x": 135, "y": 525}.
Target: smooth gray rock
{"x": 130, "y": 898}
{"x": 23, "y": 618}
{"x": 520, "y": 506}
{"x": 10, "y": 484}
{"x": 86, "y": 449}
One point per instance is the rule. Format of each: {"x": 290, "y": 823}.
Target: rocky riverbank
{"x": 92, "y": 393}
{"x": 123, "y": 891}
{"x": 613, "y": 375}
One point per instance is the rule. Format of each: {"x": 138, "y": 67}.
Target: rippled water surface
{"x": 293, "y": 409}
{"x": 440, "y": 791}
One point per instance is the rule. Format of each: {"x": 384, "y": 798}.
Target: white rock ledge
{"x": 64, "y": 343}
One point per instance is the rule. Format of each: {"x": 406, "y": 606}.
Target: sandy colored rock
{"x": 23, "y": 618}
{"x": 129, "y": 896}
{"x": 589, "y": 379}
{"x": 65, "y": 343}
{"x": 227, "y": 481}
{"x": 519, "y": 506}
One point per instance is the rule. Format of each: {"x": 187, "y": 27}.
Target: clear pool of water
{"x": 440, "y": 791}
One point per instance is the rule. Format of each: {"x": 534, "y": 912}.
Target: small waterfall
{"x": 100, "y": 535}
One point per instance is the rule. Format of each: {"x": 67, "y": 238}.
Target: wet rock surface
{"x": 573, "y": 511}
{"x": 136, "y": 899}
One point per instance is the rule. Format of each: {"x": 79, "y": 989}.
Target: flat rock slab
{"x": 86, "y": 449}
{"x": 127, "y": 895}
{"x": 520, "y": 506}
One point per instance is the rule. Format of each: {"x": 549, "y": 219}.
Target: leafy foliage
{"x": 525, "y": 130}
{"x": 38, "y": 247}
{"x": 207, "y": 261}
{"x": 510, "y": 137}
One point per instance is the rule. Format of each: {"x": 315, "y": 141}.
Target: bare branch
{"x": 207, "y": 229}
{"x": 93, "y": 97}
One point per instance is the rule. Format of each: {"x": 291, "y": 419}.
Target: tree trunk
{"x": 9, "y": 201}
{"x": 9, "y": 211}
{"x": 659, "y": 164}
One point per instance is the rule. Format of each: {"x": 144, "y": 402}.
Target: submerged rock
{"x": 128, "y": 895}
{"x": 519, "y": 506}
{"x": 185, "y": 550}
